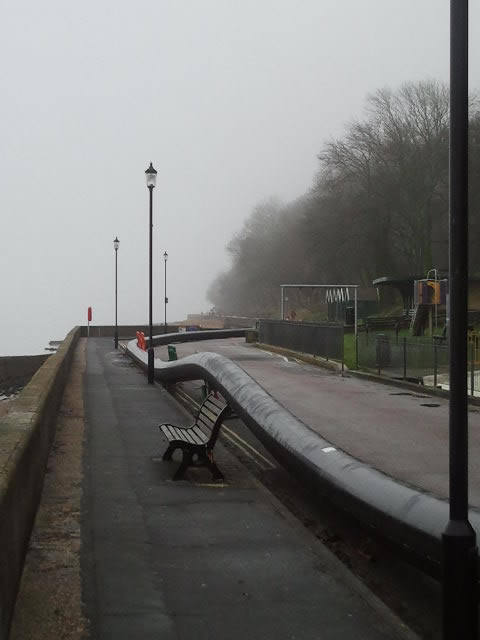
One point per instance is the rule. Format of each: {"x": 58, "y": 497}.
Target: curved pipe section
{"x": 413, "y": 519}
{"x": 194, "y": 336}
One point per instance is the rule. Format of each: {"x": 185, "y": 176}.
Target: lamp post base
{"x": 459, "y": 581}
{"x": 115, "y": 339}
{"x": 150, "y": 365}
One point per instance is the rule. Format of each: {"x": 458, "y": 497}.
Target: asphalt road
{"x": 402, "y": 433}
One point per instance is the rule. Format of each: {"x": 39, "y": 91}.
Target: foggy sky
{"x": 230, "y": 100}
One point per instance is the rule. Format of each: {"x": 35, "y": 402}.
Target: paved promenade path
{"x": 173, "y": 560}
{"x": 402, "y": 433}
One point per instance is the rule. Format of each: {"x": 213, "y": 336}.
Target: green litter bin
{"x": 172, "y": 353}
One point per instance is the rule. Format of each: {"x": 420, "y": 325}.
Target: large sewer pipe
{"x": 409, "y": 517}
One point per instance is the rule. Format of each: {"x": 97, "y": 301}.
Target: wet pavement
{"x": 196, "y": 558}
{"x": 402, "y": 433}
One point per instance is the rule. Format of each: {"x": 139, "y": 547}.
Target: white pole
{"x": 281, "y": 304}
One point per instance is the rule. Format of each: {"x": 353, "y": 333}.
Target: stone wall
{"x": 26, "y": 434}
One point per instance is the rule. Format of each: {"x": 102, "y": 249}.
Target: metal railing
{"x": 423, "y": 360}
{"x": 324, "y": 340}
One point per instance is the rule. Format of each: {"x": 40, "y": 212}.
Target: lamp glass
{"x": 151, "y": 179}
{"x": 116, "y": 244}
{"x": 165, "y": 256}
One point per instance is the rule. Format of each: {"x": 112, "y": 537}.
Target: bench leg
{"x": 185, "y": 463}
{"x": 216, "y": 473}
{"x": 168, "y": 453}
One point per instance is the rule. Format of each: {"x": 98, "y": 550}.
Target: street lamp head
{"x": 165, "y": 256}
{"x": 151, "y": 176}
{"x": 116, "y": 243}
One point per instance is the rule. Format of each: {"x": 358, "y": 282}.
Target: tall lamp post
{"x": 459, "y": 540}
{"x": 151, "y": 176}
{"x": 165, "y": 258}
{"x": 116, "y": 244}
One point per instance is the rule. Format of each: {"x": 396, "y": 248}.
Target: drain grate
{"x": 429, "y": 404}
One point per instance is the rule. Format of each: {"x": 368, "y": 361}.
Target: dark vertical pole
{"x": 404, "y": 358}
{"x": 116, "y": 318}
{"x": 343, "y": 350}
{"x": 435, "y": 365}
{"x": 472, "y": 369}
{"x": 459, "y": 543}
{"x": 378, "y": 351}
{"x": 150, "y": 328}
{"x": 165, "y": 296}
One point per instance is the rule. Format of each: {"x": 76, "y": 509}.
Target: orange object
{"x": 141, "y": 344}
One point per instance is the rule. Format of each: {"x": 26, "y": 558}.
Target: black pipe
{"x": 193, "y": 336}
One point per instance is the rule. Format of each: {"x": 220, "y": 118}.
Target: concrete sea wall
{"x": 26, "y": 434}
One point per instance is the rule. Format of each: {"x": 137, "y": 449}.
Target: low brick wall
{"x": 26, "y": 434}
{"x": 16, "y": 371}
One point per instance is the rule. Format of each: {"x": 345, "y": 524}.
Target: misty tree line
{"x": 378, "y": 207}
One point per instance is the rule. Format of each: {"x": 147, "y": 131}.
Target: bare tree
{"x": 378, "y": 206}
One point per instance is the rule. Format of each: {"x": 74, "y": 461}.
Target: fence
{"x": 420, "y": 360}
{"x": 324, "y": 340}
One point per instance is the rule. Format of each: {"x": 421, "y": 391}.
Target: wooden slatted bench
{"x": 198, "y": 440}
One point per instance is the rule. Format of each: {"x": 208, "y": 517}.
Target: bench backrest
{"x": 209, "y": 418}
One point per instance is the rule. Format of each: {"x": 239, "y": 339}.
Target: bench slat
{"x": 201, "y": 435}
{"x": 206, "y": 422}
{"x": 175, "y": 433}
{"x": 166, "y": 428}
{"x": 210, "y": 414}
{"x": 168, "y": 431}
{"x": 186, "y": 434}
{"x": 212, "y": 410}
{"x": 215, "y": 402}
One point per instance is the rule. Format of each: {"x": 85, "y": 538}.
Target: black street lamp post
{"x": 459, "y": 540}
{"x": 151, "y": 176}
{"x": 116, "y": 244}
{"x": 165, "y": 258}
